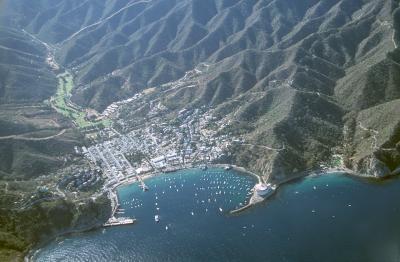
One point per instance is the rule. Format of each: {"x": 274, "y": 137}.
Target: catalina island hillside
{"x": 95, "y": 93}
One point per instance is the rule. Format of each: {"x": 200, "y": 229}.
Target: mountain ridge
{"x": 319, "y": 49}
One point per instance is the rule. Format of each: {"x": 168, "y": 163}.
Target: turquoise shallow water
{"x": 325, "y": 218}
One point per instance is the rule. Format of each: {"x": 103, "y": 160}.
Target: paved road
{"x": 266, "y": 147}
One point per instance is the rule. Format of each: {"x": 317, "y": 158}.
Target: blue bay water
{"x": 325, "y": 218}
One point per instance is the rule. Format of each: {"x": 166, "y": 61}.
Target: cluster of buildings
{"x": 82, "y": 180}
{"x": 153, "y": 143}
{"x": 188, "y": 140}
{"x": 191, "y": 139}
{"x": 110, "y": 158}
{"x": 113, "y": 108}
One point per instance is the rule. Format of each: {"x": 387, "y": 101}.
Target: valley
{"x": 61, "y": 102}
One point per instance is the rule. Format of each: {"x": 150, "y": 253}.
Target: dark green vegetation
{"x": 31, "y": 210}
{"x": 35, "y": 144}
{"x": 62, "y": 104}
{"x": 297, "y": 73}
{"x": 319, "y": 77}
{"x": 40, "y": 222}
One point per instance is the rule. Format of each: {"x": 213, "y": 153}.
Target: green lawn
{"x": 65, "y": 86}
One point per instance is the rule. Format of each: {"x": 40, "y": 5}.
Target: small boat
{"x": 220, "y": 209}
{"x": 157, "y": 218}
{"x": 228, "y": 168}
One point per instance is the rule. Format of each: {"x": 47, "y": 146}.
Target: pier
{"x": 113, "y": 221}
{"x": 142, "y": 185}
{"x": 117, "y": 221}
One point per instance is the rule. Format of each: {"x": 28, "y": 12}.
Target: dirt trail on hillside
{"x": 21, "y": 137}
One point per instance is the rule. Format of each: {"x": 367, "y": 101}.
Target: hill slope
{"x": 334, "y": 59}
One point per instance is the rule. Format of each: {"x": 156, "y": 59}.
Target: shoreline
{"x": 256, "y": 200}
{"x": 113, "y": 194}
{"x": 241, "y": 170}
{"x": 29, "y": 255}
{"x": 134, "y": 180}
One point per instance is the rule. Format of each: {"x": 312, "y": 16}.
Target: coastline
{"x": 254, "y": 200}
{"x": 113, "y": 194}
{"x": 34, "y": 249}
{"x": 145, "y": 177}
{"x": 241, "y": 170}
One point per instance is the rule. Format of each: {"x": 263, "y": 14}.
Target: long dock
{"x": 114, "y": 221}
{"x": 119, "y": 221}
{"x": 142, "y": 184}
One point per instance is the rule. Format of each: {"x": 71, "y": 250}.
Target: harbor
{"x": 322, "y": 205}
{"x": 257, "y": 194}
{"x": 139, "y": 180}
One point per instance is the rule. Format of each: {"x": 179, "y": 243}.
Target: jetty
{"x": 115, "y": 209}
{"x": 114, "y": 202}
{"x": 257, "y": 197}
{"x": 143, "y": 186}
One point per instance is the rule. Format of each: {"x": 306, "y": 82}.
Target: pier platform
{"x": 113, "y": 221}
